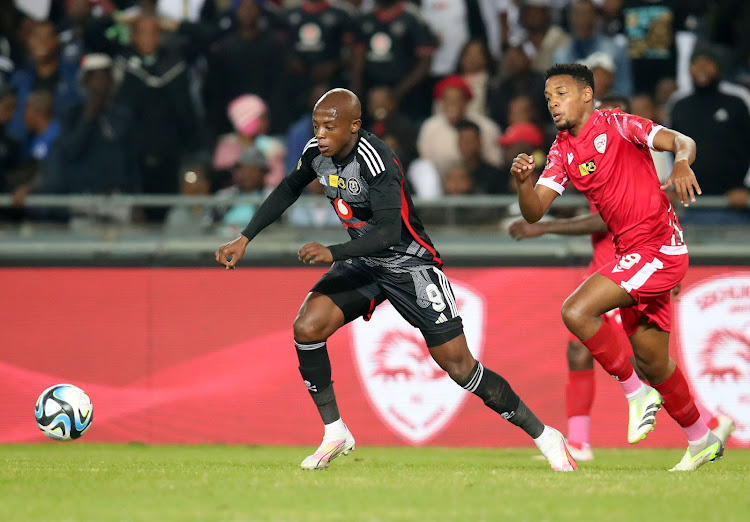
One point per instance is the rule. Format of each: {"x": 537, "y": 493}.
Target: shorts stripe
{"x": 447, "y": 291}
{"x": 640, "y": 277}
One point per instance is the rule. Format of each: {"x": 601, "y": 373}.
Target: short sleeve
{"x": 554, "y": 175}
{"x": 637, "y": 130}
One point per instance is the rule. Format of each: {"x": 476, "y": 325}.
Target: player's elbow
{"x": 530, "y": 216}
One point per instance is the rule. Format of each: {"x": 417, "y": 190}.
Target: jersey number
{"x": 435, "y": 297}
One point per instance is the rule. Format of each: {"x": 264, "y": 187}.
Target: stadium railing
{"x": 459, "y": 240}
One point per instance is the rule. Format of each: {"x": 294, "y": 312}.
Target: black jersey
{"x": 318, "y": 31}
{"x": 393, "y": 39}
{"x": 370, "y": 179}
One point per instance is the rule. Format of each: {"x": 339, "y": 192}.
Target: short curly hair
{"x": 578, "y": 71}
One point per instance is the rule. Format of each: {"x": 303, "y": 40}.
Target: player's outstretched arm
{"x": 534, "y": 201}
{"x": 577, "y": 226}
{"x": 282, "y": 197}
{"x": 682, "y": 176}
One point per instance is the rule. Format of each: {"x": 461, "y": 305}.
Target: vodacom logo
{"x": 342, "y": 208}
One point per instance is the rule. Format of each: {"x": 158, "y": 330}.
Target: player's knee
{"x": 308, "y": 328}
{"x": 573, "y": 314}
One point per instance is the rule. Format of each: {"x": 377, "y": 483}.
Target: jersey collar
{"x": 352, "y": 153}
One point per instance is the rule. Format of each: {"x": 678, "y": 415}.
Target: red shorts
{"x": 648, "y": 275}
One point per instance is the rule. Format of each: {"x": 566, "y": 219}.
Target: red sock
{"x": 579, "y": 392}
{"x": 677, "y": 400}
{"x": 605, "y": 347}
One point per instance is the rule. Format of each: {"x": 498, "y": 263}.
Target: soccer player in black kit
{"x": 389, "y": 257}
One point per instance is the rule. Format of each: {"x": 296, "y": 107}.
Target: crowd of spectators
{"x": 215, "y": 96}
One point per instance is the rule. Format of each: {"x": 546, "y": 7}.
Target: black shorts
{"x": 422, "y": 295}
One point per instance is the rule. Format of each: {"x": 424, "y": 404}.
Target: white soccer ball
{"x": 64, "y": 412}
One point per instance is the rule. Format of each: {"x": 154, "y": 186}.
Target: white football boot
{"x": 554, "y": 448}
{"x": 582, "y": 453}
{"x": 642, "y": 413}
{"x": 328, "y": 450}
{"x": 724, "y": 429}
{"x": 709, "y": 449}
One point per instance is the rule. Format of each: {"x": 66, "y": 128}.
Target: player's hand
{"x": 684, "y": 182}
{"x": 313, "y": 253}
{"x": 523, "y": 167}
{"x": 522, "y": 229}
{"x": 230, "y": 253}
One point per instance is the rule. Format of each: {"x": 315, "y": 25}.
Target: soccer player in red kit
{"x": 581, "y": 386}
{"x": 606, "y": 156}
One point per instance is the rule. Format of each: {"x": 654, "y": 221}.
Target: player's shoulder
{"x": 310, "y": 150}
{"x": 373, "y": 153}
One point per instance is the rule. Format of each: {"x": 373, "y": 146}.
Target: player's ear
{"x": 356, "y": 124}
{"x": 588, "y": 94}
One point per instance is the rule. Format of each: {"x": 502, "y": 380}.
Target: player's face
{"x": 333, "y": 132}
{"x": 566, "y": 101}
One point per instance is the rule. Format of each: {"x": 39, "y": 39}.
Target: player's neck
{"x": 576, "y": 129}
{"x": 338, "y": 158}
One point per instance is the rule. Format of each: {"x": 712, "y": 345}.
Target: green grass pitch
{"x": 98, "y": 482}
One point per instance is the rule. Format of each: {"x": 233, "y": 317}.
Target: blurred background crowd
{"x": 202, "y": 97}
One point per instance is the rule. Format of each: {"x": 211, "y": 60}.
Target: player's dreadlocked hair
{"x": 579, "y": 72}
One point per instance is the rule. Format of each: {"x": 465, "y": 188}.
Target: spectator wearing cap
{"x": 438, "y": 137}
{"x": 588, "y": 39}
{"x": 155, "y": 87}
{"x": 716, "y": 114}
{"x": 517, "y": 78}
{"x": 486, "y": 178}
{"x": 524, "y": 137}
{"x": 603, "y": 67}
{"x": 48, "y": 71}
{"x": 248, "y": 179}
{"x": 251, "y": 60}
{"x": 97, "y": 151}
{"x": 250, "y": 119}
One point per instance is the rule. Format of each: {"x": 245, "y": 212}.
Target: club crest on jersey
{"x": 570, "y": 158}
{"x": 587, "y": 168}
{"x": 600, "y": 143}
{"x": 713, "y": 317}
{"x": 342, "y": 208}
{"x": 352, "y": 185}
{"x": 404, "y": 385}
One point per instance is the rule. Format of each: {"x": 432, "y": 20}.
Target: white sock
{"x": 335, "y": 430}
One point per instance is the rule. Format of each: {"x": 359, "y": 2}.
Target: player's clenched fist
{"x": 313, "y": 253}
{"x": 229, "y": 254}
{"x": 523, "y": 166}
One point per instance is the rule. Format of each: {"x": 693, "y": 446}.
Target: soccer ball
{"x": 64, "y": 412}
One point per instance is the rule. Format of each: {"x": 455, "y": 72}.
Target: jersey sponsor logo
{"x": 352, "y": 185}
{"x": 335, "y": 181}
{"x": 600, "y": 143}
{"x": 570, "y": 158}
{"x": 342, "y": 208}
{"x": 587, "y": 168}
{"x": 309, "y": 37}
{"x": 407, "y": 389}
{"x": 714, "y": 321}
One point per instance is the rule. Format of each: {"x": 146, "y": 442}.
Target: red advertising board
{"x": 173, "y": 355}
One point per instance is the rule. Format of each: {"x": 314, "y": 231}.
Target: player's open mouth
{"x": 556, "y": 117}
{"x": 322, "y": 148}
